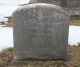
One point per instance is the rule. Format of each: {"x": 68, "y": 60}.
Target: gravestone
{"x": 40, "y": 32}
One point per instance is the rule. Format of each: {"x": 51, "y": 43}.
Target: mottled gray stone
{"x": 40, "y": 32}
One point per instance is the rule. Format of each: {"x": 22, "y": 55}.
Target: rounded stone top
{"x": 41, "y": 5}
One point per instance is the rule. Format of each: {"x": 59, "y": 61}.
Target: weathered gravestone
{"x": 40, "y": 32}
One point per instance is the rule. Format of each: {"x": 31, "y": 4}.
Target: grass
{"x": 75, "y": 22}
{"x": 73, "y": 59}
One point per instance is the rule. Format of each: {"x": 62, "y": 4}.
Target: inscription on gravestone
{"x": 40, "y": 32}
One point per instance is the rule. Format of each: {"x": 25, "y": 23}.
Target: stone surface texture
{"x": 40, "y": 32}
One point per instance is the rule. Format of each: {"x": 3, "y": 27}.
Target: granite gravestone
{"x": 40, "y": 32}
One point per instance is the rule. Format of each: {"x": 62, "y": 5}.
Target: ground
{"x": 73, "y": 59}
{"x": 75, "y": 22}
